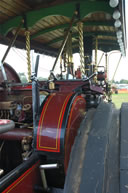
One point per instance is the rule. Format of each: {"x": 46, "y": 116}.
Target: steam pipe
{"x": 49, "y": 166}
{"x": 6, "y": 125}
{"x": 3, "y": 71}
{"x": 35, "y": 90}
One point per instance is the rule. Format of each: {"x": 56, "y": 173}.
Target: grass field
{"x": 118, "y": 99}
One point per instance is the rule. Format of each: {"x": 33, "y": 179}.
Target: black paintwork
{"x": 124, "y": 149}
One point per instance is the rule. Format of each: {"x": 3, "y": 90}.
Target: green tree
{"x": 123, "y": 81}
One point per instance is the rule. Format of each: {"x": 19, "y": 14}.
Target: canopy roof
{"x": 47, "y": 20}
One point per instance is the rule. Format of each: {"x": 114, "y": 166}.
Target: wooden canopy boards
{"x": 47, "y": 20}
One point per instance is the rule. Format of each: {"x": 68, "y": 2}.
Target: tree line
{"x": 122, "y": 81}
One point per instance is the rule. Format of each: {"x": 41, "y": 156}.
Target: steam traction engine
{"x": 58, "y": 135}
{"x": 57, "y": 115}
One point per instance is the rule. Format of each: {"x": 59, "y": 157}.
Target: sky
{"x": 17, "y": 59}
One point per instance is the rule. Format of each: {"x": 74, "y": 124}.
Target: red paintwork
{"x": 61, "y": 86}
{"x": 78, "y": 73}
{"x": 96, "y": 89}
{"x": 50, "y": 123}
{"x": 101, "y": 76}
{"x": 75, "y": 117}
{"x": 49, "y": 128}
{"x": 65, "y": 85}
{"x": 26, "y": 182}
{"x": 17, "y": 95}
{"x": 16, "y": 134}
{"x": 24, "y": 87}
{"x": 68, "y": 86}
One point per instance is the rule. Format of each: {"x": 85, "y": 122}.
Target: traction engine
{"x": 39, "y": 120}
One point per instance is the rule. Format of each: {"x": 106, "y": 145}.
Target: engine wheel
{"x": 94, "y": 160}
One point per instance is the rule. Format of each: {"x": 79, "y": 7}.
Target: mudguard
{"x": 60, "y": 117}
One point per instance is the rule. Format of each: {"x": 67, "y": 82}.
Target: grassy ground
{"x": 118, "y": 99}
